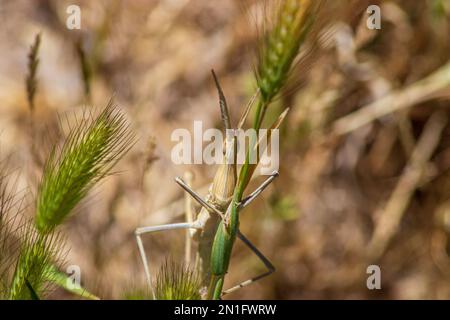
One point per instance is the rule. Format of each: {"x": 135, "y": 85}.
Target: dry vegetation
{"x": 365, "y": 155}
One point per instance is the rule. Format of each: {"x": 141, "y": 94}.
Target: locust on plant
{"x": 215, "y": 208}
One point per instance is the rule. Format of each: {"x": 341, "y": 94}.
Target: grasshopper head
{"x": 222, "y": 188}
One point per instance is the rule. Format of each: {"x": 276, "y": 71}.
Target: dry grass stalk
{"x": 390, "y": 217}
{"x": 428, "y": 88}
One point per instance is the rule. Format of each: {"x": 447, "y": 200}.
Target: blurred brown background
{"x": 365, "y": 152}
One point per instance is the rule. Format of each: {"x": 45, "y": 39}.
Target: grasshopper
{"x": 215, "y": 210}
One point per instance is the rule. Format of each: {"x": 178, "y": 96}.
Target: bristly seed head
{"x": 281, "y": 44}
{"x": 89, "y": 153}
{"x": 177, "y": 282}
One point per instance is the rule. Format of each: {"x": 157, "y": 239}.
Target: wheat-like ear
{"x": 33, "y": 62}
{"x": 176, "y": 281}
{"x": 279, "y": 47}
{"x": 89, "y": 153}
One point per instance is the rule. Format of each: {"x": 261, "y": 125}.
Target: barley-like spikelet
{"x": 280, "y": 46}
{"x": 92, "y": 148}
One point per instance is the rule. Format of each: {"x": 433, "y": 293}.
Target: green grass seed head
{"x": 89, "y": 153}
{"x": 175, "y": 281}
{"x": 280, "y": 46}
